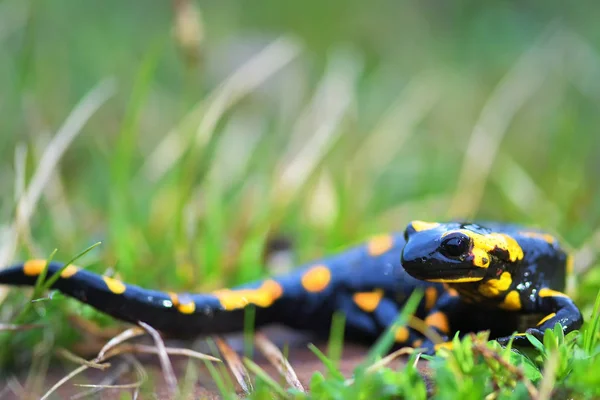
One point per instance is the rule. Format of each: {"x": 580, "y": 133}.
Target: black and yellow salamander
{"x": 474, "y": 277}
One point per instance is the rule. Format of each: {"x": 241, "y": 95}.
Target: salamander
{"x": 491, "y": 276}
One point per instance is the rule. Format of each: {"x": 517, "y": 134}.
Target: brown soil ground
{"x": 303, "y": 361}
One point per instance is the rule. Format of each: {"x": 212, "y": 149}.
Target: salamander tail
{"x": 174, "y": 314}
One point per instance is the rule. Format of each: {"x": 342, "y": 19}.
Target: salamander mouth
{"x": 449, "y": 275}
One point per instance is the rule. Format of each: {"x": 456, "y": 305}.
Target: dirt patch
{"x": 302, "y": 359}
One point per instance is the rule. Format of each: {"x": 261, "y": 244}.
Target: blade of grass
{"x": 332, "y": 369}
{"x": 262, "y": 375}
{"x": 121, "y": 369}
{"x": 141, "y": 372}
{"x": 336, "y": 338}
{"x": 40, "y": 282}
{"x": 385, "y": 342}
{"x": 590, "y": 334}
{"x": 48, "y": 284}
{"x": 249, "y": 320}
{"x": 235, "y": 365}
{"x": 277, "y": 359}
{"x": 120, "y": 338}
{"x": 219, "y": 382}
{"x": 121, "y": 201}
{"x": 208, "y": 112}
{"x": 516, "y": 87}
{"x": 165, "y": 362}
{"x": 172, "y": 351}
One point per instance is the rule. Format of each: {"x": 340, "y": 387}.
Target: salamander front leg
{"x": 439, "y": 320}
{"x": 558, "y": 307}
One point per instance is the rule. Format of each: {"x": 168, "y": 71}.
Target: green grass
{"x": 343, "y": 120}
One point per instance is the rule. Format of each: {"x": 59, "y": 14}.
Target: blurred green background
{"x": 201, "y": 129}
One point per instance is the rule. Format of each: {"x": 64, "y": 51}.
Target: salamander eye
{"x": 455, "y": 245}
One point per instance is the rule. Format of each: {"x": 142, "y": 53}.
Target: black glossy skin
{"x": 393, "y": 270}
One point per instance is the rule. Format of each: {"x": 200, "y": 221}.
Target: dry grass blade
{"x": 486, "y": 352}
{"x": 244, "y": 80}
{"x": 188, "y": 29}
{"x": 275, "y": 357}
{"x": 17, "y": 328}
{"x": 13, "y": 385}
{"x": 4, "y": 391}
{"x": 107, "y": 354}
{"x": 141, "y": 372}
{"x": 582, "y": 63}
{"x": 519, "y": 84}
{"x": 93, "y": 329}
{"x": 40, "y": 363}
{"x": 76, "y": 359}
{"x": 235, "y": 365}
{"x": 417, "y": 358}
{"x": 64, "y": 380}
{"x": 120, "y": 370}
{"x": 397, "y": 215}
{"x": 546, "y": 386}
{"x": 120, "y": 338}
{"x": 172, "y": 351}
{"x": 20, "y": 170}
{"x": 397, "y": 124}
{"x": 389, "y": 358}
{"x": 51, "y": 156}
{"x": 317, "y": 129}
{"x": 163, "y": 356}
{"x": 420, "y": 326}
{"x": 384, "y": 362}
{"x": 61, "y": 141}
{"x": 587, "y": 254}
{"x": 529, "y": 197}
{"x": 13, "y": 16}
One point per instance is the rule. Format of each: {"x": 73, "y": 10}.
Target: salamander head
{"x": 456, "y": 252}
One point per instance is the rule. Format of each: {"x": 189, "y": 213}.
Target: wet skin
{"x": 498, "y": 277}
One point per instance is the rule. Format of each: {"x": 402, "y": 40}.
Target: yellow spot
{"x": 512, "y": 301}
{"x": 451, "y": 291}
{"x": 115, "y": 286}
{"x": 456, "y": 280}
{"x": 538, "y": 235}
{"x": 273, "y": 288}
{"x": 417, "y": 343}
{"x": 438, "y": 320}
{"x": 493, "y": 287}
{"x": 430, "y": 297}
{"x": 34, "y": 267}
{"x": 316, "y": 279}
{"x": 174, "y": 298}
{"x": 264, "y": 296}
{"x": 69, "y": 271}
{"x": 380, "y": 244}
{"x": 368, "y": 301}
{"x": 444, "y": 345}
{"x": 401, "y": 334}
{"x": 481, "y": 258}
{"x": 235, "y": 299}
{"x": 570, "y": 264}
{"x": 187, "y": 308}
{"x": 546, "y": 318}
{"x": 484, "y": 244}
{"x": 423, "y": 226}
{"x": 545, "y": 292}
{"x": 520, "y": 334}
